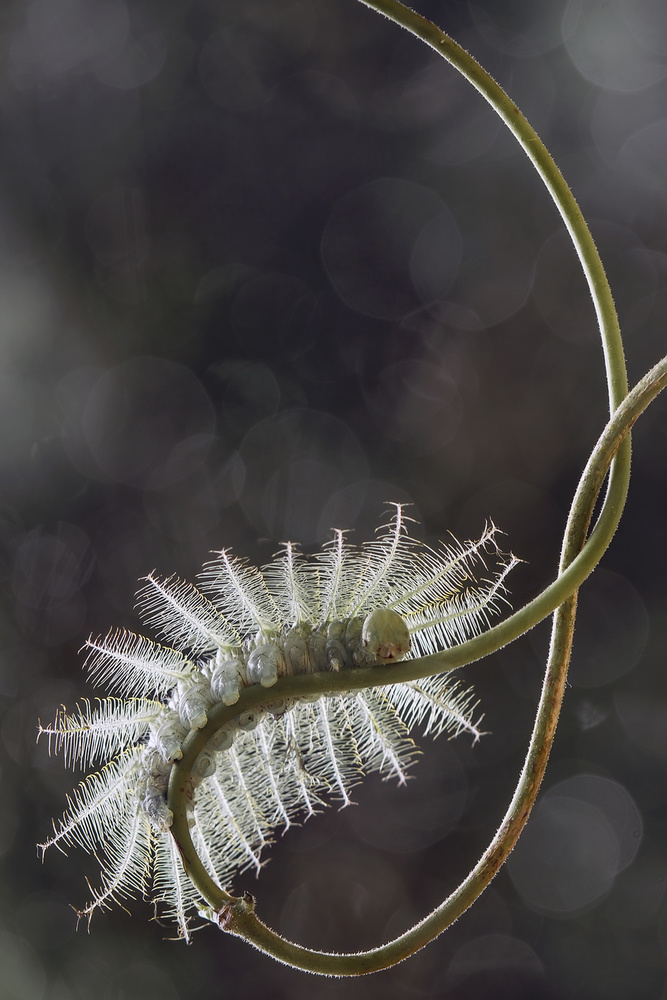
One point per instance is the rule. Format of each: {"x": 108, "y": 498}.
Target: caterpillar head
{"x": 385, "y": 636}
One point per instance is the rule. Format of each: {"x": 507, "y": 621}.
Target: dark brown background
{"x": 265, "y": 266}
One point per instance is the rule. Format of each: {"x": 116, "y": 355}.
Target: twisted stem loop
{"x": 579, "y": 556}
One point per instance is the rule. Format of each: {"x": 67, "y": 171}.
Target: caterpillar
{"x": 342, "y": 608}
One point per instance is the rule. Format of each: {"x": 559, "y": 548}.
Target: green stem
{"x": 543, "y": 162}
{"x": 237, "y": 915}
{"x": 577, "y": 561}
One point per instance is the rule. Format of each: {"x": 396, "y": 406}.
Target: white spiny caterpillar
{"x": 342, "y": 608}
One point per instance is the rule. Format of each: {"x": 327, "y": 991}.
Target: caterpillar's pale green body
{"x": 343, "y": 608}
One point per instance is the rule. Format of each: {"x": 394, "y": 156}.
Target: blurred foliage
{"x": 264, "y": 267}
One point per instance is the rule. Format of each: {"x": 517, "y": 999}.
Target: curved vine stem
{"x": 237, "y": 915}
{"x": 543, "y": 162}
{"x": 578, "y": 558}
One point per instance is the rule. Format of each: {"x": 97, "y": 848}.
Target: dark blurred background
{"x": 265, "y": 266}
